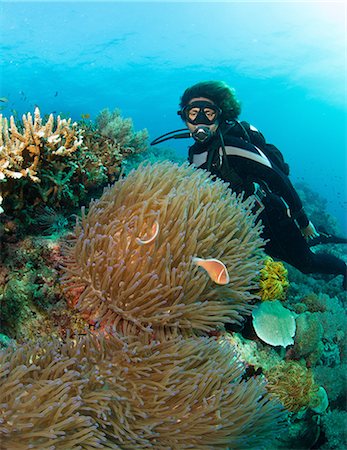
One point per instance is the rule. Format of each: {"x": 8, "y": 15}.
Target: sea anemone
{"x": 134, "y": 254}
{"x": 126, "y": 393}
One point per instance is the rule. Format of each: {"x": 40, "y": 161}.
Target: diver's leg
{"x": 287, "y": 243}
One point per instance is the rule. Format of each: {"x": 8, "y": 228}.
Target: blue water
{"x": 285, "y": 60}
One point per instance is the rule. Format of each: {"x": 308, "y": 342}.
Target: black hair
{"x": 219, "y": 92}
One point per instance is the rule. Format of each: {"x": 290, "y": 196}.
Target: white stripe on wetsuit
{"x": 200, "y": 158}
{"x": 237, "y": 151}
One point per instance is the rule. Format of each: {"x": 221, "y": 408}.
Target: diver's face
{"x": 202, "y": 112}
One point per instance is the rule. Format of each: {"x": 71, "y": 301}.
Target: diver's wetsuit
{"x": 245, "y": 164}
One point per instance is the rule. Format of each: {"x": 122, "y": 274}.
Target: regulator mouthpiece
{"x": 202, "y": 133}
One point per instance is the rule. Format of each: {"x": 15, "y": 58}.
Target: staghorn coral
{"x": 273, "y": 280}
{"x": 23, "y": 150}
{"x": 157, "y": 286}
{"x": 293, "y": 384}
{"x": 124, "y": 393}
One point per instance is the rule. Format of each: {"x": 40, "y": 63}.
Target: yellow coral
{"x": 273, "y": 280}
{"x": 22, "y": 151}
{"x": 293, "y": 384}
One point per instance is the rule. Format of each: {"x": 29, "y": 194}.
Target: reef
{"x": 309, "y": 376}
{"x": 113, "y": 317}
{"x": 49, "y": 167}
{"x": 153, "y": 367}
{"x": 53, "y": 166}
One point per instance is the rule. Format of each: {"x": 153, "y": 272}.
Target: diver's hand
{"x": 310, "y": 231}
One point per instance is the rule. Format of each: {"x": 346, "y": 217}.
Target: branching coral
{"x": 158, "y": 285}
{"x": 116, "y": 392}
{"x": 293, "y": 384}
{"x": 23, "y": 151}
{"x": 273, "y": 280}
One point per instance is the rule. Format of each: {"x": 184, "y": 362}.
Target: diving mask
{"x": 200, "y": 113}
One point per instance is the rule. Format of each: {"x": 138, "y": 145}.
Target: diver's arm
{"x": 252, "y": 164}
{"x": 257, "y": 138}
{"x": 281, "y": 185}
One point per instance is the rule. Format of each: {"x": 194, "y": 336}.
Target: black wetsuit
{"x": 244, "y": 164}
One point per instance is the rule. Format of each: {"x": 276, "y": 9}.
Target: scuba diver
{"x": 237, "y": 153}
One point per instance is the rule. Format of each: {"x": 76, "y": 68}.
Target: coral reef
{"x": 320, "y": 344}
{"x": 315, "y": 207}
{"x": 149, "y": 376}
{"x": 94, "y": 367}
{"x": 32, "y": 303}
{"x": 334, "y": 381}
{"x": 304, "y": 284}
{"x": 112, "y": 126}
{"x": 157, "y": 285}
{"x": 55, "y": 165}
{"x": 316, "y": 302}
{"x": 117, "y": 392}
